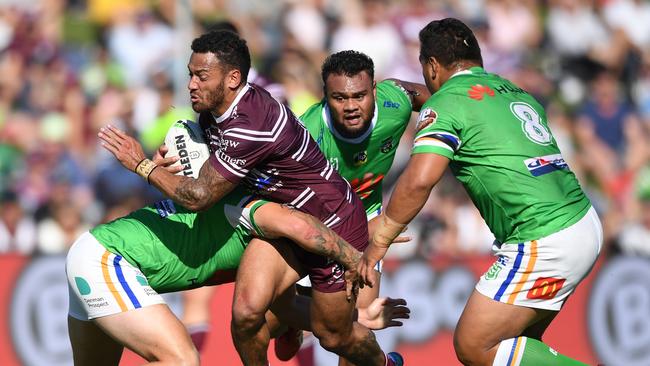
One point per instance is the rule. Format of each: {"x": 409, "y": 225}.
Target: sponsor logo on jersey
{"x": 335, "y": 163}
{"x": 337, "y": 274}
{"x": 365, "y": 186}
{"x": 427, "y": 117}
{"x": 225, "y": 157}
{"x": 497, "y": 266}
{"x": 263, "y": 183}
{"x": 545, "y": 288}
{"x": 509, "y": 88}
{"x": 82, "y": 285}
{"x": 142, "y": 280}
{"x": 545, "y": 164}
{"x": 391, "y": 104}
{"x": 360, "y": 158}
{"x": 165, "y": 208}
{"x": 478, "y": 91}
{"x": 387, "y": 145}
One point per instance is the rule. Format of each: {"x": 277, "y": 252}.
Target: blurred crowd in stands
{"x": 69, "y": 67}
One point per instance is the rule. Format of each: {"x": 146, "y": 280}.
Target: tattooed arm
{"x": 276, "y": 220}
{"x": 194, "y": 194}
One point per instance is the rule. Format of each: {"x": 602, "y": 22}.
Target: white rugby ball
{"x": 185, "y": 140}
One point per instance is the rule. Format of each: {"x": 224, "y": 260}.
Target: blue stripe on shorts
{"x": 125, "y": 286}
{"x": 513, "y": 271}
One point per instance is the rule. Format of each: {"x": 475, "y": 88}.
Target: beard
{"x": 213, "y": 100}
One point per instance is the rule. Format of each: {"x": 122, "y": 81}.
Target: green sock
{"x": 524, "y": 351}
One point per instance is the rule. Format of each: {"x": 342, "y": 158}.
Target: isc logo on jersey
{"x": 185, "y": 140}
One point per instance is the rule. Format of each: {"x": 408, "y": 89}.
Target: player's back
{"x": 175, "y": 248}
{"x": 502, "y": 150}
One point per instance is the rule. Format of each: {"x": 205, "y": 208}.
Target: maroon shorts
{"x": 327, "y": 275}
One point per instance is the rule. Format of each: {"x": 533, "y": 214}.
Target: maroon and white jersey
{"x": 260, "y": 143}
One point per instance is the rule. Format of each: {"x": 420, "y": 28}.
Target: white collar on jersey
{"x": 228, "y": 111}
{"x": 462, "y": 72}
{"x": 327, "y": 118}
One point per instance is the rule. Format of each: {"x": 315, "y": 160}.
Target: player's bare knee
{"x": 468, "y": 352}
{"x": 246, "y": 317}
{"x": 184, "y": 354}
{"x": 331, "y": 338}
{"x": 331, "y": 341}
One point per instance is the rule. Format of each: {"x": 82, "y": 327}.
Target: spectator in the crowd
{"x": 141, "y": 43}
{"x": 366, "y": 29}
{"x": 578, "y": 35}
{"x": 17, "y": 228}
{"x": 634, "y": 237}
{"x": 57, "y": 232}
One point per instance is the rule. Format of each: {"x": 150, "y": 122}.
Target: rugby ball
{"x": 185, "y": 140}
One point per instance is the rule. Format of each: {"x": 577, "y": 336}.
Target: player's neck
{"x": 228, "y": 98}
{"x": 456, "y": 68}
{"x": 351, "y": 134}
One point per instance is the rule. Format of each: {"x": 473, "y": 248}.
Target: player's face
{"x": 351, "y": 100}
{"x": 206, "y": 83}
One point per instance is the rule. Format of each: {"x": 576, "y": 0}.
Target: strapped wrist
{"x": 387, "y": 230}
{"x": 144, "y": 168}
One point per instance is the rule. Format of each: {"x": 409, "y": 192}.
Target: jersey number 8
{"x": 531, "y": 123}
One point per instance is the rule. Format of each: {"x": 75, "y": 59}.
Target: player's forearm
{"x": 319, "y": 239}
{"x": 182, "y": 190}
{"x": 408, "y": 198}
{"x": 414, "y": 186}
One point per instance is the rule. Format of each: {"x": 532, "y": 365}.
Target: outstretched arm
{"x": 194, "y": 194}
{"x": 276, "y": 221}
{"x": 417, "y": 92}
{"x": 383, "y": 312}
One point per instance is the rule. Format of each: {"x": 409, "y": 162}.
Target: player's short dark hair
{"x": 230, "y": 49}
{"x": 449, "y": 40}
{"x": 348, "y": 63}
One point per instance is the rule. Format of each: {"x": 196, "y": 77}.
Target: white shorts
{"x": 101, "y": 283}
{"x": 543, "y": 273}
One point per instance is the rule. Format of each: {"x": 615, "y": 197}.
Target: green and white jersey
{"x": 501, "y": 149}
{"x": 365, "y": 160}
{"x": 177, "y": 249}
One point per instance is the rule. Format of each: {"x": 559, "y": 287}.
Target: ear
{"x": 434, "y": 65}
{"x": 233, "y": 79}
{"x": 374, "y": 88}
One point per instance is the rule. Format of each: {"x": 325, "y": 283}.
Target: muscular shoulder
{"x": 313, "y": 117}
{"x": 393, "y": 100}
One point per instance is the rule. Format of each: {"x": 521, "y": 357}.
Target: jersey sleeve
{"x": 396, "y": 92}
{"x": 438, "y": 129}
{"x": 248, "y": 217}
{"x": 239, "y": 152}
{"x": 313, "y": 121}
{"x": 240, "y": 211}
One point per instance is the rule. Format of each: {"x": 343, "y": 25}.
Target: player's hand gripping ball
{"x": 185, "y": 139}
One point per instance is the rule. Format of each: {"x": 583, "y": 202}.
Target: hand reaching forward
{"x": 383, "y": 312}
{"x": 126, "y": 149}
